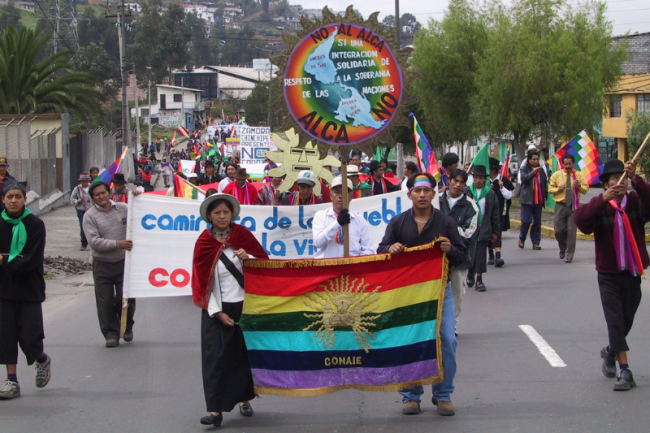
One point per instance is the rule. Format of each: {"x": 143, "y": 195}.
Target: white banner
{"x": 255, "y": 142}
{"x": 187, "y": 166}
{"x": 165, "y": 229}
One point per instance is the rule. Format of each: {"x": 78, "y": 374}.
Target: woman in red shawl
{"x": 218, "y": 289}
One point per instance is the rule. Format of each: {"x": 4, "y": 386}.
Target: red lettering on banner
{"x": 178, "y": 278}
{"x": 154, "y": 273}
{"x": 174, "y": 278}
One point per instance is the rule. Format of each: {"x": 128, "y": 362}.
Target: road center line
{"x": 544, "y": 348}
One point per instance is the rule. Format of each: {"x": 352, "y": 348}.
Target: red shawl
{"x": 206, "y": 253}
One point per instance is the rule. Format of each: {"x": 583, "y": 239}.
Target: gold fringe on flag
{"x": 300, "y": 263}
{"x": 313, "y": 392}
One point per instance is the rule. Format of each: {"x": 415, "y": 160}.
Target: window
{"x": 615, "y": 105}
{"x": 643, "y": 103}
{"x": 179, "y": 98}
{"x": 163, "y": 101}
{"x": 144, "y": 112}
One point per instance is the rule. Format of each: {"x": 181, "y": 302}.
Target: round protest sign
{"x": 342, "y": 84}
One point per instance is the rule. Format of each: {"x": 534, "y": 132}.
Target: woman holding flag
{"x": 218, "y": 289}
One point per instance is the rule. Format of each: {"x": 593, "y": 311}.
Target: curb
{"x": 550, "y": 232}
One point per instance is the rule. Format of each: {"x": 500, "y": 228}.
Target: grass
{"x": 28, "y": 19}
{"x": 49, "y": 276}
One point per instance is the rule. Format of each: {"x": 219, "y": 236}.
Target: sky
{"x": 626, "y": 15}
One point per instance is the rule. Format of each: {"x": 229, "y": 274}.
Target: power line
{"x": 38, "y": 3}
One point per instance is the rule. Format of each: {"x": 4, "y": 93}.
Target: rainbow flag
{"x": 427, "y": 161}
{"x": 313, "y": 327}
{"x": 184, "y": 189}
{"x": 184, "y": 132}
{"x": 587, "y": 157}
{"x": 107, "y": 175}
{"x": 505, "y": 171}
{"x": 173, "y": 138}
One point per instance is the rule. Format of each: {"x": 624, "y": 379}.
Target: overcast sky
{"x": 627, "y": 15}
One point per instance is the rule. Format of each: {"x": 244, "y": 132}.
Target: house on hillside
{"x": 631, "y": 93}
{"x": 172, "y": 101}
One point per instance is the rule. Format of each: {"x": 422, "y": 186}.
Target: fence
{"x": 92, "y": 148}
{"x": 32, "y": 158}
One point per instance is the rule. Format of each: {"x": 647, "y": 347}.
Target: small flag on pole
{"x": 505, "y": 172}
{"x": 586, "y": 155}
{"x": 184, "y": 132}
{"x": 427, "y": 162}
{"x": 107, "y": 175}
{"x": 183, "y": 189}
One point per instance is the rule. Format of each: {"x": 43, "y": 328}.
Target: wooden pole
{"x": 344, "y": 194}
{"x": 638, "y": 153}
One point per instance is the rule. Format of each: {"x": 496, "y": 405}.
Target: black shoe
{"x": 491, "y": 261}
{"x": 609, "y": 363}
{"x": 561, "y": 255}
{"x": 211, "y": 419}
{"x": 470, "y": 281}
{"x": 625, "y": 381}
{"x": 499, "y": 263}
{"x": 128, "y": 336}
{"x": 480, "y": 287}
{"x": 246, "y": 409}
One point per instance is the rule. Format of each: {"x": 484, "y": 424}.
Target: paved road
{"x": 503, "y": 382}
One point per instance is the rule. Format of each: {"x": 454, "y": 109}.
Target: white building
{"x": 134, "y": 7}
{"x": 168, "y": 108}
{"x": 202, "y": 11}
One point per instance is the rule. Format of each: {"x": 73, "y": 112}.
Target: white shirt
{"x": 225, "y": 287}
{"x": 325, "y": 227}
{"x": 452, "y": 201}
{"x": 404, "y": 187}
{"x": 224, "y": 183}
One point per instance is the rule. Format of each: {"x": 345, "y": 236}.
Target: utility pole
{"x": 137, "y": 108}
{"x": 149, "y": 111}
{"x": 183, "y": 105}
{"x": 121, "y": 33}
{"x": 268, "y": 119}
{"x": 399, "y": 29}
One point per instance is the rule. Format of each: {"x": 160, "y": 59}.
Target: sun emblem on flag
{"x": 344, "y": 304}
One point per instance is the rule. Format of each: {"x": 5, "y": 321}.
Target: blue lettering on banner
{"x": 181, "y": 223}
{"x": 271, "y": 223}
{"x": 375, "y": 218}
{"x": 302, "y": 246}
{"x": 301, "y": 215}
{"x": 278, "y": 248}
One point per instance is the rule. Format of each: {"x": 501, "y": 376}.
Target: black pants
{"x": 80, "y": 215}
{"x": 21, "y": 323}
{"x": 480, "y": 259}
{"x": 108, "y": 279}
{"x": 620, "y": 294}
{"x": 227, "y": 377}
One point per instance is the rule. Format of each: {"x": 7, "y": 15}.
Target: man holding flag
{"x": 617, "y": 221}
{"x": 566, "y": 186}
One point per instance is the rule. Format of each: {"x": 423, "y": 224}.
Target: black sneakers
{"x": 625, "y": 381}
{"x": 470, "y": 281}
{"x": 609, "y": 363}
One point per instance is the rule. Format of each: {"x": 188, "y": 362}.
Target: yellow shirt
{"x": 559, "y": 178}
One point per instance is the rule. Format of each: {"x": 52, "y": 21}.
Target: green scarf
{"x": 18, "y": 232}
{"x": 485, "y": 191}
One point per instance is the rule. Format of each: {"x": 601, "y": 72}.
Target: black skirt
{"x": 227, "y": 377}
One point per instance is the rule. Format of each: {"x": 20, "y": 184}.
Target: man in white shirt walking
{"x": 327, "y": 227}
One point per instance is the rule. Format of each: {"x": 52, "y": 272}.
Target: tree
{"x": 265, "y": 6}
{"x": 96, "y": 61}
{"x": 282, "y": 9}
{"x": 638, "y": 127}
{"x": 257, "y": 107}
{"x": 545, "y": 70}
{"x": 30, "y": 86}
{"x": 388, "y": 21}
{"x": 446, "y": 55}
{"x": 9, "y": 16}
{"x": 99, "y": 31}
{"x": 409, "y": 23}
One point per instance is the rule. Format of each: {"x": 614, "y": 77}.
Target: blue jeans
{"x": 531, "y": 213}
{"x": 441, "y": 391}
{"x": 80, "y": 215}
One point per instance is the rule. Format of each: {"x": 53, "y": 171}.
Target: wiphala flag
{"x": 313, "y": 327}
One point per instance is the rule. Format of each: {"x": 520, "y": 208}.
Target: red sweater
{"x": 597, "y": 217}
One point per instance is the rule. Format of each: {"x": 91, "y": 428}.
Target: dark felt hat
{"x": 374, "y": 165}
{"x": 613, "y": 166}
{"x": 494, "y": 164}
{"x": 479, "y": 170}
{"x": 118, "y": 179}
